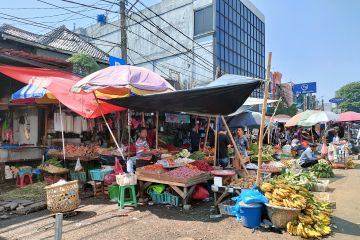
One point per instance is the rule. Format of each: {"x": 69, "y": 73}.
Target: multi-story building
{"x": 188, "y": 40}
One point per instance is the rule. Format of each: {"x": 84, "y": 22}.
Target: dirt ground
{"x": 100, "y": 219}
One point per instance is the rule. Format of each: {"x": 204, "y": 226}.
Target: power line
{"x": 154, "y": 25}
{"x": 118, "y": 26}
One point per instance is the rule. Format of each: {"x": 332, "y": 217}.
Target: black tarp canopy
{"x": 221, "y": 97}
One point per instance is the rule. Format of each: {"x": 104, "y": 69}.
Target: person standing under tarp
{"x": 195, "y": 138}
{"x": 224, "y": 143}
{"x": 241, "y": 142}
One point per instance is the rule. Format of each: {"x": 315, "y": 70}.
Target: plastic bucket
{"x": 250, "y": 214}
{"x": 113, "y": 191}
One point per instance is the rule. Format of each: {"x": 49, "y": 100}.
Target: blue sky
{"x": 314, "y": 40}
{"x": 310, "y": 40}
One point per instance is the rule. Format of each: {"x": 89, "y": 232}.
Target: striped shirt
{"x": 141, "y": 147}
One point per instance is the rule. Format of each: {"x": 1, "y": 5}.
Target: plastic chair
{"x": 23, "y": 180}
{"x": 122, "y": 201}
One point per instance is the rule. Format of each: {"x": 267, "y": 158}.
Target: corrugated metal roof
{"x": 60, "y": 38}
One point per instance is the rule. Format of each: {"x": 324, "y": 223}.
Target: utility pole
{"x": 123, "y": 30}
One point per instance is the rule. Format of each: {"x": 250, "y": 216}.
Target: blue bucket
{"x": 250, "y": 214}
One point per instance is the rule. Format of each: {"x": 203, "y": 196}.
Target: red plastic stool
{"x": 24, "y": 180}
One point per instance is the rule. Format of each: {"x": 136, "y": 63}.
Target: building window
{"x": 203, "y": 20}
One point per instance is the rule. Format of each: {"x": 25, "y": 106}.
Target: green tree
{"x": 351, "y": 93}
{"x": 283, "y": 109}
{"x": 83, "y": 64}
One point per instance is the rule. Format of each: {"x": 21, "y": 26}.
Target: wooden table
{"x": 183, "y": 189}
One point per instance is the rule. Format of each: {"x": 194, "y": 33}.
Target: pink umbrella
{"x": 349, "y": 117}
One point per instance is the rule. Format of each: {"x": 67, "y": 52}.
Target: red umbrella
{"x": 349, "y": 117}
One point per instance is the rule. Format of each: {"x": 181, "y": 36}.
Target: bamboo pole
{"x": 107, "y": 125}
{"x": 216, "y": 138}
{"x": 46, "y": 125}
{"x": 157, "y": 131}
{"x": 237, "y": 152}
{"x": 129, "y": 129}
{"x": 266, "y": 95}
{"x": 62, "y": 132}
{"x": 207, "y": 134}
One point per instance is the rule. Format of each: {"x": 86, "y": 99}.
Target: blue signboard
{"x": 114, "y": 61}
{"x": 337, "y": 100}
{"x": 309, "y": 87}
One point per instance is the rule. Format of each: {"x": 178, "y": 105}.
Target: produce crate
{"x": 165, "y": 198}
{"x": 321, "y": 185}
{"x": 81, "y": 176}
{"x": 227, "y": 207}
{"x": 99, "y": 174}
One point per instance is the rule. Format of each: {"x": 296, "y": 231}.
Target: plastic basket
{"x": 227, "y": 207}
{"x": 99, "y": 174}
{"x": 24, "y": 171}
{"x": 81, "y": 176}
{"x": 158, "y": 198}
{"x": 126, "y": 179}
{"x": 280, "y": 216}
{"x": 63, "y": 198}
{"x": 172, "y": 199}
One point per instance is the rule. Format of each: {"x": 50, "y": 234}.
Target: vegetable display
{"x": 289, "y": 163}
{"x": 270, "y": 168}
{"x": 198, "y": 155}
{"x": 183, "y": 154}
{"x": 266, "y": 157}
{"x": 51, "y": 161}
{"x": 202, "y": 165}
{"x": 183, "y": 172}
{"x": 72, "y": 150}
{"x": 350, "y": 164}
{"x": 315, "y": 218}
{"x": 254, "y": 148}
{"x": 247, "y": 182}
{"x": 154, "y": 167}
{"x": 304, "y": 179}
{"x": 322, "y": 170}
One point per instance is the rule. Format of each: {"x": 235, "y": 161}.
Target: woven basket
{"x": 280, "y": 216}
{"x": 126, "y": 179}
{"x": 63, "y": 198}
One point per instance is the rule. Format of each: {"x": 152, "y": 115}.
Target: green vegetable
{"x": 322, "y": 170}
{"x": 198, "y": 155}
{"x": 305, "y": 179}
{"x": 183, "y": 154}
{"x": 51, "y": 161}
{"x": 254, "y": 148}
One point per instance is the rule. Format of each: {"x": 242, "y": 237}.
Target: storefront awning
{"x": 59, "y": 84}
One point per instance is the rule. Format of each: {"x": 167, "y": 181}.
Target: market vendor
{"x": 143, "y": 151}
{"x": 224, "y": 143}
{"x": 308, "y": 157}
{"x": 241, "y": 142}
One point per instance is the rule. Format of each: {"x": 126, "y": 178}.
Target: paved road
{"x": 99, "y": 220}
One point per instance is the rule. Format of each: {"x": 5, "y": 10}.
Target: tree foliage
{"x": 83, "y": 64}
{"x": 351, "y": 93}
{"x": 283, "y": 109}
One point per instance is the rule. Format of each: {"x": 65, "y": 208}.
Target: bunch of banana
{"x": 307, "y": 231}
{"x": 266, "y": 187}
{"x": 322, "y": 229}
{"x": 305, "y": 219}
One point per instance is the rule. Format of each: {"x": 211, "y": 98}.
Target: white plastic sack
{"x": 78, "y": 167}
{"x": 130, "y": 163}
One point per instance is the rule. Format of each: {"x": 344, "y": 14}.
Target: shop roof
{"x": 60, "y": 38}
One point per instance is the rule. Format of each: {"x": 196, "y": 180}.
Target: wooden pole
{"x": 207, "y": 133}
{"x": 266, "y": 95}
{"x": 143, "y": 119}
{"x": 216, "y": 138}
{"x": 46, "y": 125}
{"x": 157, "y": 131}
{"x": 237, "y": 152}
{"x": 129, "y": 129}
{"x": 107, "y": 125}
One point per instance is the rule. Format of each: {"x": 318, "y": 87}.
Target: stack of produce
{"x": 270, "y": 168}
{"x": 284, "y": 195}
{"x": 198, "y": 155}
{"x": 304, "y": 179}
{"x": 289, "y": 163}
{"x": 202, "y": 165}
{"x": 350, "y": 164}
{"x": 246, "y": 182}
{"x": 322, "y": 170}
{"x": 183, "y": 154}
{"x": 209, "y": 151}
{"x": 315, "y": 218}
{"x": 266, "y": 157}
{"x": 72, "y": 150}
{"x": 52, "y": 166}
{"x": 183, "y": 172}
{"x": 154, "y": 167}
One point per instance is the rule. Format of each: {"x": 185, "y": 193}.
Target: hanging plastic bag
{"x": 118, "y": 168}
{"x": 200, "y": 193}
{"x": 78, "y": 167}
{"x": 110, "y": 179}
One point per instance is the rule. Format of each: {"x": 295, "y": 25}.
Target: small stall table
{"x": 184, "y": 189}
